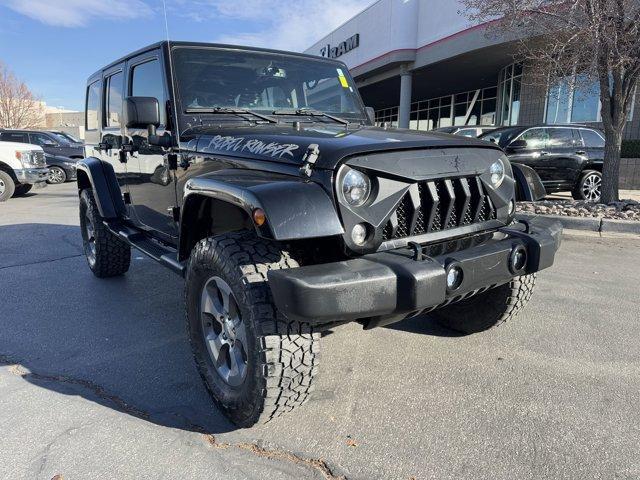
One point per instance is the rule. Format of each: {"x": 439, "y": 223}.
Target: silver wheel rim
{"x": 2, "y": 186}
{"x": 224, "y": 331}
{"x": 90, "y": 242}
{"x": 591, "y": 187}
{"x": 56, "y": 175}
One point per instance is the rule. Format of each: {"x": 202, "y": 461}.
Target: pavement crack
{"x": 17, "y": 369}
{"x": 50, "y": 260}
{"x": 317, "y": 464}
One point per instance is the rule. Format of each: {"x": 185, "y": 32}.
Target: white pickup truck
{"x": 21, "y": 167}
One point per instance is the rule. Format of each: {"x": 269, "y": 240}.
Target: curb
{"x": 599, "y": 225}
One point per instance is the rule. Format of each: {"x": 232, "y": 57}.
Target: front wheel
{"x": 56, "y": 175}
{"x": 7, "y": 186}
{"x": 488, "y": 309}
{"x": 589, "y": 186}
{"x": 255, "y": 363}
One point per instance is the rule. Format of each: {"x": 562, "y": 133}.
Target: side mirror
{"x": 371, "y": 113}
{"x": 518, "y": 145}
{"x": 142, "y": 112}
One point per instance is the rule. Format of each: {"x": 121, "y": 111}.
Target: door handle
{"x": 544, "y": 153}
{"x": 581, "y": 152}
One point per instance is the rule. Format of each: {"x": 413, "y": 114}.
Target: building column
{"x": 404, "y": 110}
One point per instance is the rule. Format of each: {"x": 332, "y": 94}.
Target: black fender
{"x": 295, "y": 208}
{"x": 529, "y": 187}
{"x": 100, "y": 176}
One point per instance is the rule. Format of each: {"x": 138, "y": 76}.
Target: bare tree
{"x": 19, "y": 108}
{"x": 589, "y": 41}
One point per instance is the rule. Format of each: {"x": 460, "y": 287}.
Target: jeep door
{"x": 151, "y": 183}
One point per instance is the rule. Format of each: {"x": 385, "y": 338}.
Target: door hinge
{"x": 309, "y": 159}
{"x": 175, "y": 213}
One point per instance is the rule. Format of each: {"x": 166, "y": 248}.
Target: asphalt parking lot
{"x": 97, "y": 380}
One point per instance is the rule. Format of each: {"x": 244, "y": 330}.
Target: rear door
{"x": 564, "y": 156}
{"x": 593, "y": 145}
{"x": 112, "y": 121}
{"x": 151, "y": 183}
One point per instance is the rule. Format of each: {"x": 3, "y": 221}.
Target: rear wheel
{"x": 107, "y": 255}
{"x": 56, "y": 175}
{"x": 7, "y": 186}
{"x": 22, "y": 189}
{"x": 255, "y": 363}
{"x": 488, "y": 309}
{"x": 589, "y": 186}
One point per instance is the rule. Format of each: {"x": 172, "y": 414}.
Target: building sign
{"x": 342, "y": 48}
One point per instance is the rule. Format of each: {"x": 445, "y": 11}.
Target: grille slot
{"x": 438, "y": 205}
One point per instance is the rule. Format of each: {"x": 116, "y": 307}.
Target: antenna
{"x": 171, "y": 77}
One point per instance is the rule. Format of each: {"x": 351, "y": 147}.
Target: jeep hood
{"x": 283, "y": 143}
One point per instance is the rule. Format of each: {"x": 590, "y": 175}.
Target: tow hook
{"x": 309, "y": 159}
{"x": 418, "y": 253}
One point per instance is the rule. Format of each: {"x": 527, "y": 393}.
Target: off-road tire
{"x": 488, "y": 309}
{"x": 112, "y": 255}
{"x": 577, "y": 193}
{"x": 22, "y": 189}
{"x": 282, "y": 354}
{"x": 9, "y": 186}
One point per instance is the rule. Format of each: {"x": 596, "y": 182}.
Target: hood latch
{"x": 309, "y": 159}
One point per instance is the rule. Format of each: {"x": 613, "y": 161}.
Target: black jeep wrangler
{"x": 259, "y": 177}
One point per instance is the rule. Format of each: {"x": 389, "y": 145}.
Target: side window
{"x": 91, "y": 112}
{"x": 468, "y": 132}
{"x": 41, "y": 139}
{"x": 592, "y": 139}
{"x": 535, "y": 137}
{"x": 146, "y": 81}
{"x": 14, "y": 137}
{"x": 113, "y": 100}
{"x": 560, "y": 138}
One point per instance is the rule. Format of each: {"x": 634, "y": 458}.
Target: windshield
{"x": 60, "y": 138}
{"x": 501, "y": 136}
{"x": 265, "y": 82}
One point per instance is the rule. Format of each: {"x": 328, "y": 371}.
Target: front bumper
{"x": 395, "y": 285}
{"x": 32, "y": 176}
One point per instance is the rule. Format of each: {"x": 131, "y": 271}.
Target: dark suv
{"x": 62, "y": 152}
{"x": 259, "y": 177}
{"x": 566, "y": 157}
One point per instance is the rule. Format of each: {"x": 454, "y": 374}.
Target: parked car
{"x": 288, "y": 212}
{"x": 566, "y": 157}
{"x": 52, "y": 143}
{"x": 21, "y": 167}
{"x": 465, "y": 131}
{"x": 61, "y": 169}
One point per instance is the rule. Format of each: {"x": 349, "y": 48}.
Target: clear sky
{"x": 54, "y": 45}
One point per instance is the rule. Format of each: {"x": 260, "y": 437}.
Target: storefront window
{"x": 510, "y": 86}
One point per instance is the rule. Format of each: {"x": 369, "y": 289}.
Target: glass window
{"x": 146, "y": 81}
{"x": 468, "y": 132}
{"x": 535, "y": 137}
{"x": 592, "y": 139}
{"x": 509, "y": 86}
{"x": 558, "y": 103}
{"x": 586, "y": 102}
{"x": 41, "y": 139}
{"x": 560, "y": 137}
{"x": 14, "y": 137}
{"x": 114, "y": 100}
{"x": 91, "y": 112}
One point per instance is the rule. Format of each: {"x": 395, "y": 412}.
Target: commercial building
{"x": 422, "y": 64}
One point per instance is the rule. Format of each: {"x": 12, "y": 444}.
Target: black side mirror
{"x": 518, "y": 145}
{"x": 371, "y": 113}
{"x": 142, "y": 112}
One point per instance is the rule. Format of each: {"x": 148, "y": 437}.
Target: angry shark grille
{"x": 439, "y": 205}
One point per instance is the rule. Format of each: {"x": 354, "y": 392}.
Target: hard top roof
{"x": 163, "y": 44}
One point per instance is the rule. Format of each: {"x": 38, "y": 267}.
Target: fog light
{"x": 454, "y": 277}
{"x": 518, "y": 259}
{"x": 359, "y": 234}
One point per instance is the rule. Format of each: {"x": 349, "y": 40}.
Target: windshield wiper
{"x": 311, "y": 113}
{"x": 235, "y": 111}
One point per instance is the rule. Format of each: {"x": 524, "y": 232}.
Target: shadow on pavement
{"x": 118, "y": 342}
{"x": 424, "y": 325}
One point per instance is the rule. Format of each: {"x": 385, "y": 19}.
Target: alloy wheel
{"x": 224, "y": 331}
{"x": 2, "y": 186}
{"x": 90, "y": 240}
{"x": 591, "y": 187}
{"x": 56, "y": 175}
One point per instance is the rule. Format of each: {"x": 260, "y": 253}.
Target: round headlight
{"x": 497, "y": 173}
{"x": 356, "y": 188}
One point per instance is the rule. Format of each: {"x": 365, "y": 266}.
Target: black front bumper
{"x": 394, "y": 284}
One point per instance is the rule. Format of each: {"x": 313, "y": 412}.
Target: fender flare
{"x": 295, "y": 209}
{"x": 101, "y": 177}
{"x": 529, "y": 187}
